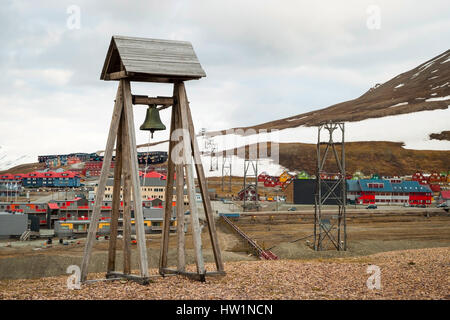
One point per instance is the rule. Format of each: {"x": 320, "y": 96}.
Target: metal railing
{"x": 263, "y": 254}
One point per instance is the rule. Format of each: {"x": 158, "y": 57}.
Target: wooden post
{"x": 102, "y": 182}
{"x": 135, "y": 183}
{"x": 168, "y": 194}
{"x": 126, "y": 195}
{"x": 187, "y": 155}
{"x": 204, "y": 190}
{"x": 116, "y": 200}
{"x": 180, "y": 218}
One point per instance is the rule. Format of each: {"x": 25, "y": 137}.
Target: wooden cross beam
{"x": 146, "y": 100}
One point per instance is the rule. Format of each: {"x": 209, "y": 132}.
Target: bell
{"x": 152, "y": 120}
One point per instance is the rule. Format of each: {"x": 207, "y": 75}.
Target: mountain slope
{"x": 10, "y": 159}
{"x": 426, "y": 87}
{"x": 382, "y": 157}
{"x": 390, "y": 129}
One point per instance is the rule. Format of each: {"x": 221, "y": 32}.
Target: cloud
{"x": 264, "y": 60}
{"x": 52, "y": 77}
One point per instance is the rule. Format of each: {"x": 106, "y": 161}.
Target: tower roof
{"x": 151, "y": 60}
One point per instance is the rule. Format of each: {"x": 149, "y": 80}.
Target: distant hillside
{"x": 25, "y": 168}
{"x": 383, "y": 157}
{"x": 426, "y": 87}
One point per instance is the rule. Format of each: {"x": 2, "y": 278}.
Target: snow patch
{"x": 399, "y": 86}
{"x": 289, "y": 120}
{"x": 10, "y": 159}
{"x": 427, "y": 65}
{"x": 438, "y": 98}
{"x": 440, "y": 86}
{"x": 399, "y": 104}
{"x": 237, "y": 167}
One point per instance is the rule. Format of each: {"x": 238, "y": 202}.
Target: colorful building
{"x": 381, "y": 191}
{"x": 94, "y": 168}
{"x": 74, "y": 209}
{"x": 38, "y": 179}
{"x": 432, "y": 178}
{"x": 444, "y": 197}
{"x": 249, "y": 194}
{"x": 152, "y": 187}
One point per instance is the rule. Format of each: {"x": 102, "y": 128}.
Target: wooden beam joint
{"x": 139, "y": 279}
{"x": 146, "y": 100}
{"x": 116, "y": 75}
{"x": 193, "y": 275}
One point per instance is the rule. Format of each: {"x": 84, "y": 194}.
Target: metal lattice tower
{"x": 214, "y": 159}
{"x": 250, "y": 181}
{"x": 211, "y": 148}
{"x": 330, "y": 229}
{"x": 226, "y": 172}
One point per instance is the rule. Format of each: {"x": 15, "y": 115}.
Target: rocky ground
{"x": 407, "y": 274}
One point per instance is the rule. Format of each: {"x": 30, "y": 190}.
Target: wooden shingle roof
{"x": 151, "y": 60}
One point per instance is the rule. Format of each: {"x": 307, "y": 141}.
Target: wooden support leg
{"x": 204, "y": 190}
{"x": 102, "y": 182}
{"x": 115, "y": 201}
{"x": 180, "y": 218}
{"x": 126, "y": 200}
{"x": 135, "y": 182}
{"x": 168, "y": 195}
{"x": 196, "y": 231}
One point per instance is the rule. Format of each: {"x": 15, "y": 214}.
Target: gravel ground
{"x": 407, "y": 274}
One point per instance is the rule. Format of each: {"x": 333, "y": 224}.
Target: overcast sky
{"x": 264, "y": 60}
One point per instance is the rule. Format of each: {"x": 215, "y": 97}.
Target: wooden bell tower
{"x": 149, "y": 60}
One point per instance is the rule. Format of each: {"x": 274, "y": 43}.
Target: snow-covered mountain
{"x": 408, "y": 109}
{"x": 10, "y": 159}
{"x": 426, "y": 87}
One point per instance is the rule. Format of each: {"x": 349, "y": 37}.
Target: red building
{"x": 428, "y": 178}
{"x": 262, "y": 177}
{"x": 152, "y": 174}
{"x": 271, "y": 182}
{"x": 249, "y": 193}
{"x": 94, "y": 168}
{"x": 379, "y": 191}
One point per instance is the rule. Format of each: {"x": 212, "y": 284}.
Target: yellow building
{"x": 154, "y": 188}
{"x": 284, "y": 176}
